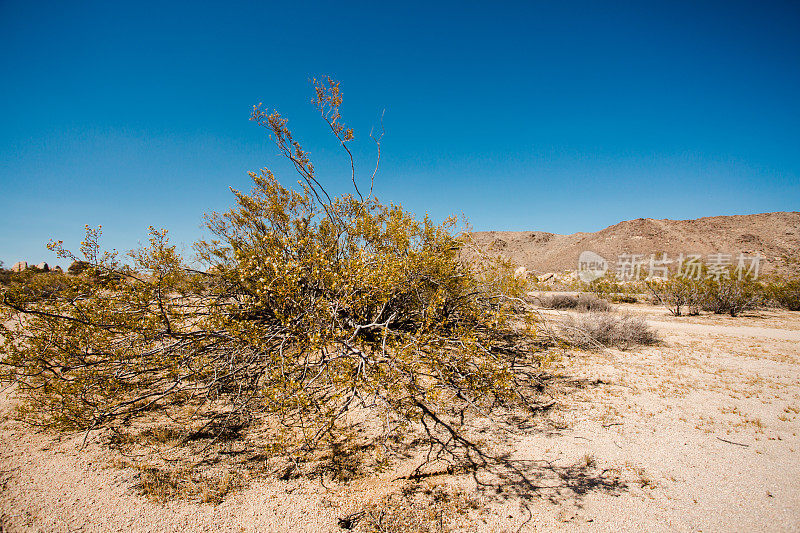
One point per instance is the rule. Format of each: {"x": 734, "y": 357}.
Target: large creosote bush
{"x": 311, "y": 307}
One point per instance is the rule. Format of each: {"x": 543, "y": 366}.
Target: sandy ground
{"x": 697, "y": 434}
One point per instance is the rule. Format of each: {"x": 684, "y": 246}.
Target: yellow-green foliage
{"x": 681, "y": 295}
{"x": 310, "y": 307}
{"x": 731, "y": 295}
{"x": 785, "y": 293}
{"x": 608, "y": 288}
{"x": 81, "y": 347}
{"x": 726, "y": 294}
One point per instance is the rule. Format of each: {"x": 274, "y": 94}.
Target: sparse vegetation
{"x": 727, "y": 294}
{"x": 579, "y": 302}
{"x": 730, "y": 295}
{"x": 607, "y": 330}
{"x": 418, "y": 508}
{"x": 785, "y": 293}
{"x": 679, "y": 295}
{"x": 622, "y": 298}
{"x": 611, "y": 289}
{"x": 162, "y": 485}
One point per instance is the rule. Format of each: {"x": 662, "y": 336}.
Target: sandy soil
{"x": 697, "y": 434}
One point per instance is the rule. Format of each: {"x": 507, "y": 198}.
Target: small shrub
{"x": 680, "y": 295}
{"x": 581, "y": 302}
{"x": 610, "y": 330}
{"x": 591, "y": 303}
{"x": 605, "y": 285}
{"x": 612, "y": 289}
{"x": 78, "y": 266}
{"x": 622, "y": 298}
{"x": 560, "y": 301}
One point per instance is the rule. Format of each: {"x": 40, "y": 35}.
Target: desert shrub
{"x": 559, "y": 301}
{"x": 604, "y": 286}
{"x": 35, "y": 284}
{"x": 611, "y": 289}
{"x": 590, "y": 303}
{"x": 581, "y": 302}
{"x": 311, "y": 307}
{"x": 610, "y": 330}
{"x": 730, "y": 295}
{"x": 784, "y": 293}
{"x": 622, "y": 298}
{"x": 680, "y": 295}
{"x": 5, "y": 276}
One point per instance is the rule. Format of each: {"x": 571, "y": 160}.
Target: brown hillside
{"x": 774, "y": 235}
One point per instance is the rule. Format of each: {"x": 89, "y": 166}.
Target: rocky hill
{"x": 772, "y": 235}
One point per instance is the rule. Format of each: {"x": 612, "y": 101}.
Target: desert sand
{"x": 699, "y": 433}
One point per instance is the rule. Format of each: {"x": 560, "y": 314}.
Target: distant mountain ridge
{"x": 773, "y": 235}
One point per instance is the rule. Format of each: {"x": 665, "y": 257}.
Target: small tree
{"x": 312, "y": 306}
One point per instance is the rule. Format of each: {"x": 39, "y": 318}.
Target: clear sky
{"x": 553, "y": 116}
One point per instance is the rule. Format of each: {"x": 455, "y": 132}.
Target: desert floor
{"x": 697, "y": 434}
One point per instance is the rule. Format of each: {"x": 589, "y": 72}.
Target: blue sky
{"x": 554, "y": 116}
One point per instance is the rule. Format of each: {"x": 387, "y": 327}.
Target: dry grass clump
{"x": 418, "y": 509}
{"x": 162, "y": 485}
{"x": 581, "y": 302}
{"x": 607, "y": 330}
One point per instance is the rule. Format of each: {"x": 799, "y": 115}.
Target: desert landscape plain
{"x": 696, "y": 432}
{"x": 399, "y": 267}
